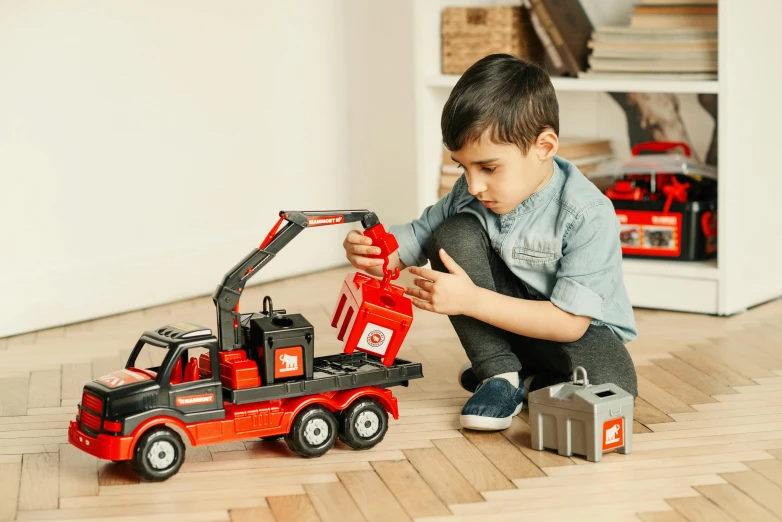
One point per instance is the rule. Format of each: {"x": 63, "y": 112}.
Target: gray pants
{"x": 492, "y": 350}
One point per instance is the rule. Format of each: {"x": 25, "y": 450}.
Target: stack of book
{"x": 584, "y": 153}
{"x": 666, "y": 39}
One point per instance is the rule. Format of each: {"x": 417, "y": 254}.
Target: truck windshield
{"x": 149, "y": 357}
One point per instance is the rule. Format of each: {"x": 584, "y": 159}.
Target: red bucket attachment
{"x": 371, "y": 317}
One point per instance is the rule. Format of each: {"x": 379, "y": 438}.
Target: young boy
{"x": 525, "y": 249}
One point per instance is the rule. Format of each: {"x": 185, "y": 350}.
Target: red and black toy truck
{"x": 665, "y": 202}
{"x": 258, "y": 378}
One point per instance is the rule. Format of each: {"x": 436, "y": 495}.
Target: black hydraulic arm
{"x": 226, "y": 295}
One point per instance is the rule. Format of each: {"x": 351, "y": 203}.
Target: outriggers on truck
{"x": 258, "y": 378}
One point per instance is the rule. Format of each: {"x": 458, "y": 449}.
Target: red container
{"x": 371, "y": 317}
{"x": 665, "y": 202}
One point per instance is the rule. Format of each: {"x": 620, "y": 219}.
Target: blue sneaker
{"x": 492, "y": 406}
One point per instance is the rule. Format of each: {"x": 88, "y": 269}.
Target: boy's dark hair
{"x": 512, "y": 99}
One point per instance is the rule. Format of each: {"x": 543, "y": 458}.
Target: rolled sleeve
{"x": 591, "y": 263}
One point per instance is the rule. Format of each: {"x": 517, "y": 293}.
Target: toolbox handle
{"x": 585, "y": 382}
{"x": 661, "y": 146}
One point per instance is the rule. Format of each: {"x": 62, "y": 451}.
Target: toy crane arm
{"x": 226, "y": 296}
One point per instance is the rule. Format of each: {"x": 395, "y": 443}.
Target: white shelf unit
{"x": 748, "y": 270}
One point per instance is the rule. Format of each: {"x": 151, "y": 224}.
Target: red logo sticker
{"x": 287, "y": 362}
{"x": 192, "y": 400}
{"x": 375, "y": 338}
{"x": 613, "y": 433}
{"x": 324, "y": 220}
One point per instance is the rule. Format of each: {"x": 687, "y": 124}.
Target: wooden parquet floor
{"x": 707, "y": 435}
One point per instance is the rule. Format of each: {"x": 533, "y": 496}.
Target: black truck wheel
{"x": 363, "y": 424}
{"x": 313, "y": 432}
{"x": 158, "y": 455}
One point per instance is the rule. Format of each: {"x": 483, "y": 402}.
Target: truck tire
{"x": 158, "y": 455}
{"x": 313, "y": 432}
{"x": 363, "y": 424}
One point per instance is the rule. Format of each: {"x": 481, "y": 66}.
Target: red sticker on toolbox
{"x": 650, "y": 233}
{"x": 613, "y": 433}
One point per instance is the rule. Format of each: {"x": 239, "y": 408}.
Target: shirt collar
{"x": 537, "y": 199}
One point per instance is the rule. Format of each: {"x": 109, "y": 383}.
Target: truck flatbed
{"x": 333, "y": 373}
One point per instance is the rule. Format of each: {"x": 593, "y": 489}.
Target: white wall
{"x": 382, "y": 107}
{"x": 145, "y": 147}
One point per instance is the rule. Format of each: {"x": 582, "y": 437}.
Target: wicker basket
{"x": 470, "y": 33}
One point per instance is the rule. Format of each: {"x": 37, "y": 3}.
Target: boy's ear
{"x": 547, "y": 145}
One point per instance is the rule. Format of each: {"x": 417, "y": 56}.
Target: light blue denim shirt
{"x": 562, "y": 242}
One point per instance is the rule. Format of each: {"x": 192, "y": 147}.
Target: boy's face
{"x": 500, "y": 176}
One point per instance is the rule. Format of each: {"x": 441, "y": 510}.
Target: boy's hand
{"x": 449, "y": 294}
{"x": 357, "y": 246}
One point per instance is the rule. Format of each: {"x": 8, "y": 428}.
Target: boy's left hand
{"x": 449, "y": 294}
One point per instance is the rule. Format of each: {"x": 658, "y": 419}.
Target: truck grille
{"x": 91, "y": 402}
{"x": 90, "y": 420}
{"x": 90, "y": 413}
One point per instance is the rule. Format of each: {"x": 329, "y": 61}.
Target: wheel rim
{"x": 316, "y": 432}
{"x": 161, "y": 454}
{"x": 367, "y": 423}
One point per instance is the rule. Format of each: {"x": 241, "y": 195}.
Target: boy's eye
{"x": 489, "y": 169}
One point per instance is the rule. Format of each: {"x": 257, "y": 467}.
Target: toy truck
{"x": 258, "y": 378}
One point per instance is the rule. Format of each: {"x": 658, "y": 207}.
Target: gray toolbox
{"x": 581, "y": 418}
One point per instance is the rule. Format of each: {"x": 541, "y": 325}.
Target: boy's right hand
{"x": 358, "y": 247}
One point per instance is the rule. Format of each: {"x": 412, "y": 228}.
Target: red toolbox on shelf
{"x": 666, "y": 203}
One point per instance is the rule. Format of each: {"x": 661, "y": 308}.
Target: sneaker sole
{"x": 480, "y": 423}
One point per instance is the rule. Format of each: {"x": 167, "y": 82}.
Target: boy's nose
{"x": 475, "y": 187}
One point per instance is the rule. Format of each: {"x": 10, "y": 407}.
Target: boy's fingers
{"x": 365, "y": 250}
{"x": 367, "y": 262}
{"x": 423, "y": 305}
{"x": 420, "y": 294}
{"x": 423, "y": 283}
{"x": 431, "y": 275}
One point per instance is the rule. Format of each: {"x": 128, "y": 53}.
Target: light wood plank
{"x": 333, "y": 503}
{"x": 693, "y": 376}
{"x": 771, "y": 469}
{"x": 758, "y": 488}
{"x": 673, "y": 385}
{"x": 659, "y": 398}
{"x": 296, "y": 508}
{"x": 735, "y": 503}
{"x": 640, "y": 428}
{"x": 116, "y": 474}
{"x": 713, "y": 367}
{"x": 39, "y": 487}
{"x": 734, "y": 359}
{"x": 698, "y": 509}
{"x": 372, "y": 497}
{"x": 185, "y": 511}
{"x": 410, "y": 489}
{"x": 202, "y": 494}
{"x": 44, "y": 389}
{"x": 74, "y": 377}
{"x": 14, "y": 391}
{"x": 473, "y": 465}
{"x": 441, "y": 475}
{"x": 78, "y": 473}
{"x": 519, "y": 435}
{"x": 662, "y": 516}
{"x": 645, "y": 413}
{"x": 258, "y": 514}
{"x": 503, "y": 454}
{"x": 10, "y": 474}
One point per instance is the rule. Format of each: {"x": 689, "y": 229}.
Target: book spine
{"x": 566, "y": 57}
{"x": 548, "y": 45}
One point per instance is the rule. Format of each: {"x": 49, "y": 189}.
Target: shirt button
{"x": 496, "y": 250}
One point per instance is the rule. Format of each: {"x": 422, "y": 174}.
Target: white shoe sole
{"x": 480, "y": 423}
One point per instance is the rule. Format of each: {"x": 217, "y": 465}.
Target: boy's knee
{"x": 459, "y": 233}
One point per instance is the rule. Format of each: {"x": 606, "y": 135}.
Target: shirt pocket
{"x": 539, "y": 259}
